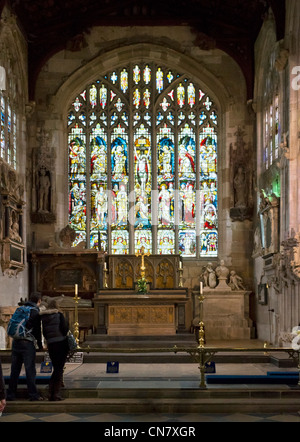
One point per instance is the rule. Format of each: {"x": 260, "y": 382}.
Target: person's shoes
{"x": 38, "y": 398}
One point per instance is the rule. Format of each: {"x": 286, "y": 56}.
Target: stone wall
{"x": 13, "y": 58}
{"x": 276, "y": 256}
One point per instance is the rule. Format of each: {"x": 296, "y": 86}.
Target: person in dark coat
{"x": 24, "y": 351}
{"x": 2, "y": 390}
{"x": 55, "y": 329}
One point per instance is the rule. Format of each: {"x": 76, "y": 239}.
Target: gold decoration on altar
{"x": 142, "y": 282}
{"x": 143, "y": 268}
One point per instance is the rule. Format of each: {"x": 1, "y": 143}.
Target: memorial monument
{"x": 225, "y": 304}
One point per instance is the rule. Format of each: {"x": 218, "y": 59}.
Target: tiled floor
{"x": 154, "y": 418}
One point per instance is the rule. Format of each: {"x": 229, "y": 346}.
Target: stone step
{"x": 229, "y": 401}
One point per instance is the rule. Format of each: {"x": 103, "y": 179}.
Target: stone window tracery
{"x": 143, "y": 163}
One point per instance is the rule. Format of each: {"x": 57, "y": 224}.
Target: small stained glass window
{"x": 8, "y": 132}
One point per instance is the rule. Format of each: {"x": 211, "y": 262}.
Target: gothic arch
{"x": 223, "y": 91}
{"x": 12, "y": 57}
{"x": 136, "y": 52}
{"x": 268, "y": 38}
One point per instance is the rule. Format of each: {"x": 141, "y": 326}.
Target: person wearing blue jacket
{"x": 24, "y": 351}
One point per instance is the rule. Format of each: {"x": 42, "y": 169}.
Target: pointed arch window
{"x": 271, "y": 115}
{"x": 143, "y": 163}
{"x": 8, "y": 131}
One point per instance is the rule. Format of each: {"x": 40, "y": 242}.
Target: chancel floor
{"x": 176, "y": 377}
{"x": 146, "y": 392}
{"x": 159, "y": 418}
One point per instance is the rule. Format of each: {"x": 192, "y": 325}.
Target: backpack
{"x": 17, "y": 325}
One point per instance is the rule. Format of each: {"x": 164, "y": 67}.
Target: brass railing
{"x": 200, "y": 354}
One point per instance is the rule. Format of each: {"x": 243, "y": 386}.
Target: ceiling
{"x": 232, "y": 25}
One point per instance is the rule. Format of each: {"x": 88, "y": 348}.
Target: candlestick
{"x": 201, "y": 323}
{"x": 76, "y": 323}
{"x": 201, "y": 334}
{"x": 105, "y": 271}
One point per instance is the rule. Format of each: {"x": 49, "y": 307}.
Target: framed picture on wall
{"x": 262, "y": 294}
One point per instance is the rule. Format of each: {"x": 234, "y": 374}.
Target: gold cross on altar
{"x": 143, "y": 254}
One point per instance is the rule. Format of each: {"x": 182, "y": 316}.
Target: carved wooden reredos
{"x": 57, "y": 273}
{"x": 161, "y": 271}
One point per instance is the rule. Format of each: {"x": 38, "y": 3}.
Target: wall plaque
{"x": 68, "y": 277}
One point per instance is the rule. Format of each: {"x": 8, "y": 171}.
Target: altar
{"x": 124, "y": 312}
{"x": 120, "y": 309}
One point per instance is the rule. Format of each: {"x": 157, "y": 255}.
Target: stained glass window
{"x": 3, "y": 127}
{"x": 208, "y": 192}
{"x": 143, "y": 163}
{"x": 119, "y": 201}
{"x": 8, "y": 132}
{"x": 78, "y": 182}
{"x": 271, "y": 132}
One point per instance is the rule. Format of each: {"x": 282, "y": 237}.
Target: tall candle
{"x": 76, "y": 289}
{"x": 105, "y": 266}
{"x": 99, "y": 240}
{"x": 201, "y": 287}
{"x": 180, "y": 264}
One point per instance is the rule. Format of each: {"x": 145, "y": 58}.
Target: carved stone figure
{"x": 14, "y": 228}
{"x": 43, "y": 191}
{"x": 43, "y": 186}
{"x": 240, "y": 188}
{"x": 235, "y": 281}
{"x": 222, "y": 273}
{"x": 241, "y": 178}
{"x": 209, "y": 276}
